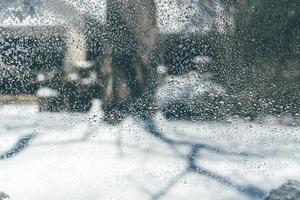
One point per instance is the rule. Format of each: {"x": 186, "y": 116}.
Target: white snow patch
{"x": 47, "y": 92}
{"x": 76, "y": 157}
{"x": 185, "y": 87}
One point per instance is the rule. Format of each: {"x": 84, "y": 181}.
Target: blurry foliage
{"x": 22, "y": 58}
{"x": 178, "y": 51}
{"x": 261, "y": 56}
{"x": 257, "y": 62}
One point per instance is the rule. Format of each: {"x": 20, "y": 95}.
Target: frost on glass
{"x": 149, "y": 99}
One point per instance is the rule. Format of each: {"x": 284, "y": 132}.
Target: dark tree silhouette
{"x": 128, "y": 61}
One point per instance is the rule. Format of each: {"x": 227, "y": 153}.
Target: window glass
{"x": 150, "y": 99}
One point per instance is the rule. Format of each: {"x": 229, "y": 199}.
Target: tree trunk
{"x": 128, "y": 62}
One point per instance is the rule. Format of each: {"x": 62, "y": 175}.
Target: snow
{"x": 77, "y": 156}
{"x": 202, "y": 60}
{"x": 185, "y": 87}
{"x": 187, "y": 16}
{"x": 47, "y": 92}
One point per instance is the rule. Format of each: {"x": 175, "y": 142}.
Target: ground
{"x": 79, "y": 157}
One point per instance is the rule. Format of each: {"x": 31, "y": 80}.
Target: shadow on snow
{"x": 192, "y": 167}
{"x": 191, "y": 160}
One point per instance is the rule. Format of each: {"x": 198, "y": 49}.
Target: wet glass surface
{"x": 156, "y": 99}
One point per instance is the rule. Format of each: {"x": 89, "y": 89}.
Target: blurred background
{"x": 149, "y": 99}
{"x": 214, "y": 59}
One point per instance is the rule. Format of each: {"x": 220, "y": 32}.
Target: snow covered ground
{"x": 78, "y": 157}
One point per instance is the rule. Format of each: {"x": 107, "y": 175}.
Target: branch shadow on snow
{"x": 20, "y": 146}
{"x": 191, "y": 159}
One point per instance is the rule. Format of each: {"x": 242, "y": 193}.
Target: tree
{"x": 129, "y": 59}
{"x": 265, "y": 56}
